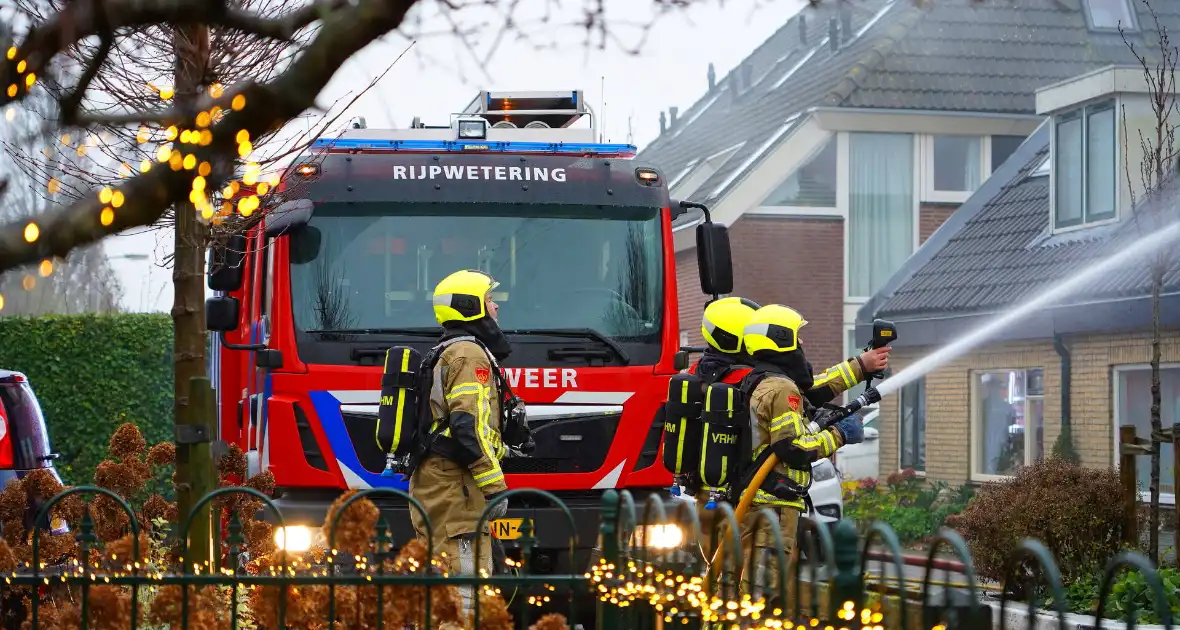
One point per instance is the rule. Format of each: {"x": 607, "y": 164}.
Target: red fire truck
{"x": 579, "y": 237}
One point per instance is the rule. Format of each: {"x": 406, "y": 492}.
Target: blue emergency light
{"x": 483, "y": 146}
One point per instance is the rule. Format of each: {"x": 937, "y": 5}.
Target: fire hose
{"x": 870, "y": 396}
{"x": 884, "y": 333}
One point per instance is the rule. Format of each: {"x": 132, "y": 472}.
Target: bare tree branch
{"x": 81, "y": 19}
{"x": 264, "y": 108}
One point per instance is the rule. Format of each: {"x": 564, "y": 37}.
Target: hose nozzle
{"x": 869, "y": 397}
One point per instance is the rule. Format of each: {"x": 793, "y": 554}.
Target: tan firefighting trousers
{"x": 453, "y": 503}
{"x": 764, "y": 579}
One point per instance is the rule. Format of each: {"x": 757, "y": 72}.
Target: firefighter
{"x": 776, "y": 385}
{"x": 726, "y": 360}
{"x": 461, "y": 472}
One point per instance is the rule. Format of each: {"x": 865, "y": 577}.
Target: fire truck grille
{"x": 568, "y": 445}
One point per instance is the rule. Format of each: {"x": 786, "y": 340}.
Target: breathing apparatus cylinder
{"x": 682, "y": 429}
{"x": 397, "y": 414}
{"x": 721, "y": 439}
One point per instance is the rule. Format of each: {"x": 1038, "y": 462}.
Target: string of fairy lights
{"x": 680, "y": 599}
{"x": 175, "y": 149}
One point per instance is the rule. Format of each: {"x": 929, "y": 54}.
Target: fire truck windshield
{"x": 372, "y": 267}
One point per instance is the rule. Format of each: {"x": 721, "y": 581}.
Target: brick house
{"x": 847, "y": 138}
{"x": 1061, "y": 202}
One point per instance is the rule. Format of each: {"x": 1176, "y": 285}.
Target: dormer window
{"x": 1110, "y": 15}
{"x": 1084, "y": 166}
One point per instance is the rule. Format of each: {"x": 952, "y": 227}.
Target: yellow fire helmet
{"x": 459, "y": 297}
{"x": 773, "y": 329}
{"x": 723, "y": 322}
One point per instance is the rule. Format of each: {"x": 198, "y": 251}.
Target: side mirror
{"x": 221, "y": 313}
{"x": 677, "y": 209}
{"x": 714, "y": 261}
{"x": 305, "y": 245}
{"x": 680, "y": 361}
{"x": 871, "y": 434}
{"x": 226, "y": 268}
{"x": 288, "y": 217}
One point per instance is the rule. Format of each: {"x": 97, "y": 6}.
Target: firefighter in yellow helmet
{"x": 726, "y": 360}
{"x": 461, "y": 472}
{"x": 779, "y": 421}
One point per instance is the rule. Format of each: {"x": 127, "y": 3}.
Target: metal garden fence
{"x": 381, "y": 583}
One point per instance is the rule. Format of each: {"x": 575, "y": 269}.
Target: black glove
{"x": 517, "y": 434}
{"x": 499, "y": 509}
{"x": 825, "y": 417}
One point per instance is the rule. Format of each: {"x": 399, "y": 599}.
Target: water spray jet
{"x": 1129, "y": 252}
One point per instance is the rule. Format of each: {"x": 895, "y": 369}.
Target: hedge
{"x": 91, "y": 374}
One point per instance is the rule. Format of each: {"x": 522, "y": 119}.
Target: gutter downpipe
{"x": 1066, "y": 373}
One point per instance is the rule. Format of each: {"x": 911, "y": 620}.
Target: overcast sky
{"x": 439, "y": 75}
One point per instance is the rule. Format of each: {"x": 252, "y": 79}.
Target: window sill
{"x": 980, "y": 479}
{"x": 1166, "y": 499}
{"x": 1084, "y": 226}
{"x": 795, "y": 211}
{"x": 946, "y": 196}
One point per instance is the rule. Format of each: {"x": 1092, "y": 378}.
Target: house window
{"x": 912, "y": 426}
{"x": 697, "y": 174}
{"x": 1110, "y": 15}
{"x": 683, "y": 338}
{"x": 1133, "y": 400}
{"x": 1007, "y": 425}
{"x": 1084, "y": 166}
{"x": 1002, "y": 148}
{"x": 811, "y": 185}
{"x": 956, "y": 163}
{"x": 880, "y": 208}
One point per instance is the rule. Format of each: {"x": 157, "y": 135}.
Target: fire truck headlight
{"x": 295, "y": 538}
{"x": 472, "y": 129}
{"x": 663, "y": 536}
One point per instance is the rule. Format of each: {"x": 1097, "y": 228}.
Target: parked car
{"x": 24, "y": 440}
{"x": 861, "y": 461}
{"x": 854, "y": 461}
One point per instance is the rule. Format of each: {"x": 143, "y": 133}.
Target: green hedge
{"x": 91, "y": 374}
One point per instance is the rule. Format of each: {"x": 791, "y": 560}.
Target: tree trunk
{"x": 188, "y": 313}
{"x": 1153, "y": 544}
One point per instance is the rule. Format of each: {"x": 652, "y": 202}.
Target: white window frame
{"x": 974, "y": 419}
{"x": 683, "y": 338}
{"x": 1084, "y": 112}
{"x": 926, "y": 174}
{"x": 1132, "y": 27}
{"x": 900, "y": 436}
{"x": 1166, "y": 498}
{"x": 812, "y": 211}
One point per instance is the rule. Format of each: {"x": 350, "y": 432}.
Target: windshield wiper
{"x": 578, "y": 333}
{"x": 416, "y": 332}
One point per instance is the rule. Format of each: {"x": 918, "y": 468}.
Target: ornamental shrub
{"x": 1076, "y": 512}
{"x": 91, "y": 374}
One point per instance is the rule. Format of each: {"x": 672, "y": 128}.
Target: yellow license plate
{"x": 509, "y": 528}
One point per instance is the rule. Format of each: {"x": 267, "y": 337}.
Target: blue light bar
{"x": 463, "y": 146}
